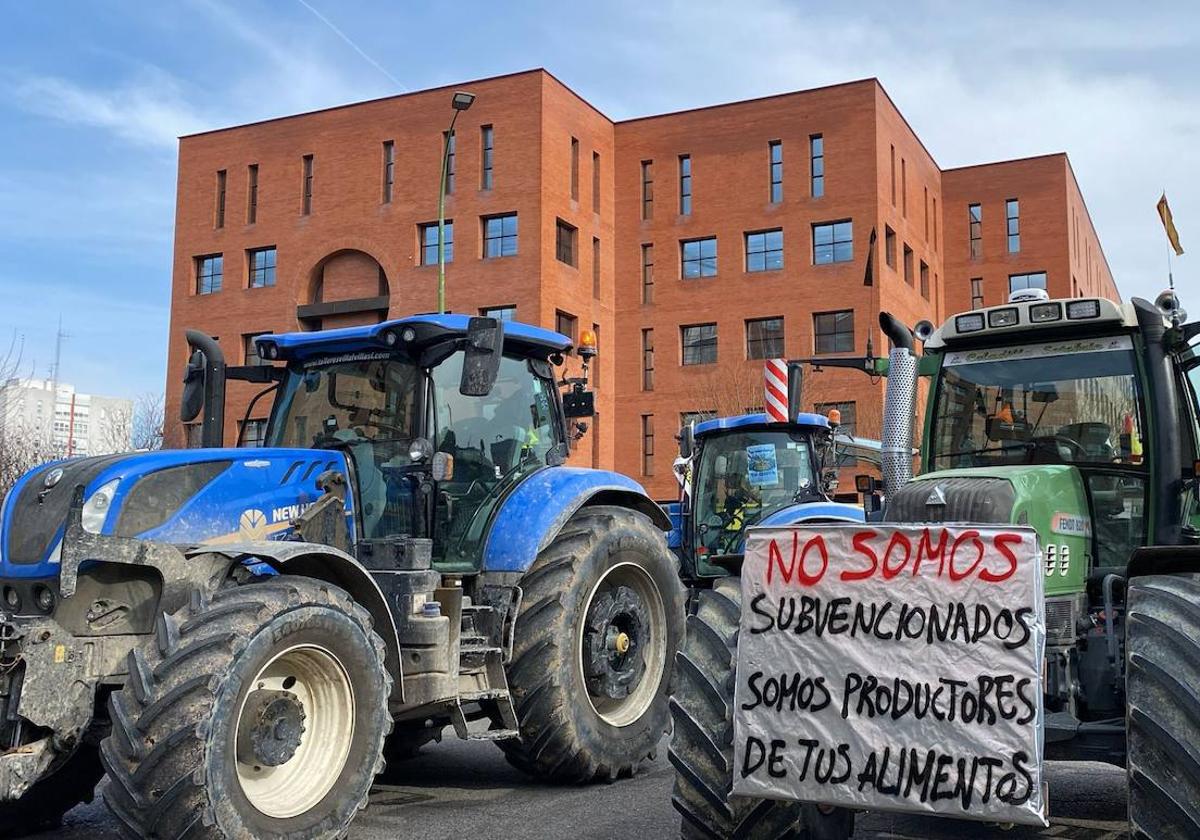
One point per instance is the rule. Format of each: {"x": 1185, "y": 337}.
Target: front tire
{"x": 259, "y": 713}
{"x": 702, "y": 739}
{"x": 601, "y": 616}
{"x": 1162, "y": 684}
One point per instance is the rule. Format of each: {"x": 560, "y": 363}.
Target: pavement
{"x": 461, "y": 790}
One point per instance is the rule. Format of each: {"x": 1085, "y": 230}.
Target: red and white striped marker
{"x": 775, "y": 386}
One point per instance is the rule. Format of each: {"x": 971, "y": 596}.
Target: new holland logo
{"x": 252, "y": 525}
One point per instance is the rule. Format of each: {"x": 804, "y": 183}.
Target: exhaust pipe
{"x": 204, "y": 388}
{"x": 795, "y": 390}
{"x": 898, "y": 405}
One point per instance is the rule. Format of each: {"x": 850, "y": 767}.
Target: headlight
{"x": 1080, "y": 309}
{"x": 968, "y": 323}
{"x": 1002, "y": 317}
{"x": 1044, "y": 312}
{"x": 95, "y": 509}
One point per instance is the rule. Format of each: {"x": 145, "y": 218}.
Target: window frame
{"x": 699, "y": 260}
{"x": 699, "y": 347}
{"x": 833, "y": 243}
{"x": 647, "y": 190}
{"x": 505, "y": 312}
{"x": 487, "y": 153}
{"x": 764, "y": 251}
{"x": 889, "y": 247}
{"x": 450, "y": 151}
{"x": 566, "y": 243}
{"x": 389, "y": 170}
{"x": 775, "y": 171}
{"x": 219, "y": 210}
{"x": 909, "y": 266}
{"x": 647, "y": 358}
{"x": 975, "y": 231}
{"x": 816, "y": 160}
{"x": 431, "y": 228}
{"x": 648, "y": 444}
{"x": 647, "y": 273}
{"x": 252, "y": 193}
{"x": 977, "y": 293}
{"x": 268, "y": 272}
{"x": 771, "y": 346}
{"x": 1012, "y": 225}
{"x": 501, "y": 218}
{"x": 685, "y": 185}
{"x": 306, "y": 190}
{"x": 1027, "y": 276}
{"x": 200, "y": 261}
{"x": 836, "y": 336}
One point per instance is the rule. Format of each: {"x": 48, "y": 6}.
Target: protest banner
{"x": 893, "y": 667}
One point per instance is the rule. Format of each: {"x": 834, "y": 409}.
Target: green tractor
{"x": 1078, "y": 418}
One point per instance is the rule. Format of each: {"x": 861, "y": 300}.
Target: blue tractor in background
{"x": 238, "y": 637}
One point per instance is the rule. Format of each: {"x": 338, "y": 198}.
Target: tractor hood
{"x": 188, "y": 496}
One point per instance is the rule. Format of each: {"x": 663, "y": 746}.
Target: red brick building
{"x": 694, "y": 243}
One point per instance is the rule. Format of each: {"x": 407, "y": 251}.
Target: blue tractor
{"x": 738, "y": 472}
{"x": 238, "y": 638}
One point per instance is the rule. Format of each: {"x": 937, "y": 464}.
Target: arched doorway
{"x": 346, "y": 288}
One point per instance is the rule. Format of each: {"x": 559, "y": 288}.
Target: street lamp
{"x": 461, "y": 101}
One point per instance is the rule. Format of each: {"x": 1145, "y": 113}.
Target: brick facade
{"x": 356, "y": 257}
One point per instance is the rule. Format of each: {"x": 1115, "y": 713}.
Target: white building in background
{"x": 64, "y": 420}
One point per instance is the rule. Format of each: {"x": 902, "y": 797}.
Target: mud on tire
{"x": 176, "y": 758}
{"x": 1162, "y": 686}
{"x": 568, "y": 733}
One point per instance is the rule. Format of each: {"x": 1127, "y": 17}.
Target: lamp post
{"x": 461, "y": 101}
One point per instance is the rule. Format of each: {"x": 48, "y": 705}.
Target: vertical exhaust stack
{"x": 795, "y": 381}
{"x": 898, "y": 404}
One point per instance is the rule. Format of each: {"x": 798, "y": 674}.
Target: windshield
{"x": 368, "y": 409}
{"x": 745, "y": 476}
{"x": 1066, "y": 402}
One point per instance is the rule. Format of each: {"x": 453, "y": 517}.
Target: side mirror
{"x": 441, "y": 466}
{"x": 481, "y": 359}
{"x": 192, "y": 400}
{"x": 687, "y": 440}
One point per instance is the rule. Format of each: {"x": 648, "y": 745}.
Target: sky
{"x": 94, "y": 95}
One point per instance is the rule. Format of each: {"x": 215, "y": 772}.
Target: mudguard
{"x": 532, "y": 515}
{"x": 328, "y": 564}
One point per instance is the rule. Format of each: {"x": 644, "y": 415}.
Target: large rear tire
{"x": 44, "y": 805}
{"x": 602, "y": 614}
{"x": 259, "y": 713}
{"x": 1162, "y": 683}
{"x": 702, "y": 739}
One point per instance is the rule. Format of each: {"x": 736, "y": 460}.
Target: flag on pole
{"x": 1164, "y": 213}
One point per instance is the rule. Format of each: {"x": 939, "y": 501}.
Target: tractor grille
{"x": 39, "y": 512}
{"x": 978, "y": 500}
{"x": 1060, "y": 620}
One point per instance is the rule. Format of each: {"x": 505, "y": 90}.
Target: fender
{"x": 537, "y": 509}
{"x": 325, "y": 563}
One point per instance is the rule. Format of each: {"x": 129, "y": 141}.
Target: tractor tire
{"x": 260, "y": 712}
{"x": 1162, "y": 685}
{"x": 702, "y": 739}
{"x": 44, "y": 805}
{"x": 602, "y": 613}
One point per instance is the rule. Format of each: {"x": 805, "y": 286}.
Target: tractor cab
{"x": 747, "y": 470}
{"x": 405, "y": 419}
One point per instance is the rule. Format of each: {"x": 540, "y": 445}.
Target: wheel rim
{"x": 622, "y": 644}
{"x": 294, "y": 731}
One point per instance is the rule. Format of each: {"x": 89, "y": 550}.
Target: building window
{"x": 566, "y": 324}
{"x": 220, "y": 214}
{"x": 647, "y": 444}
{"x": 764, "y": 250}
{"x": 699, "y": 344}
{"x": 648, "y": 360}
{"x": 262, "y": 267}
{"x": 209, "y": 270}
{"x": 975, "y": 215}
{"x": 307, "y": 188}
{"x": 893, "y": 148}
{"x": 450, "y": 164}
{"x": 925, "y": 209}
{"x": 595, "y": 268}
{"x": 389, "y": 169}
{"x": 500, "y": 313}
{"x": 500, "y": 236}
{"x": 833, "y": 332}
{"x": 250, "y": 349}
{"x": 816, "y": 149}
{"x": 776, "y": 149}
{"x": 574, "y": 169}
{"x": 429, "y": 242}
{"x": 833, "y": 242}
{"x": 1033, "y": 280}
{"x": 647, "y": 273}
{"x": 935, "y": 224}
{"x": 685, "y": 185}
{"x": 764, "y": 338}
{"x": 924, "y": 280}
{"x": 686, "y": 418}
{"x": 596, "y": 367}
{"x": 595, "y": 182}
{"x": 699, "y": 257}
{"x": 252, "y": 193}
{"x": 904, "y": 188}
{"x": 647, "y": 189}
{"x": 889, "y": 246}
{"x": 254, "y": 433}
{"x": 565, "y": 237}
{"x": 1012, "y": 215}
{"x": 908, "y": 265}
{"x": 487, "y": 150}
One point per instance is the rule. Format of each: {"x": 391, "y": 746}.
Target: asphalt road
{"x": 458, "y": 790}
